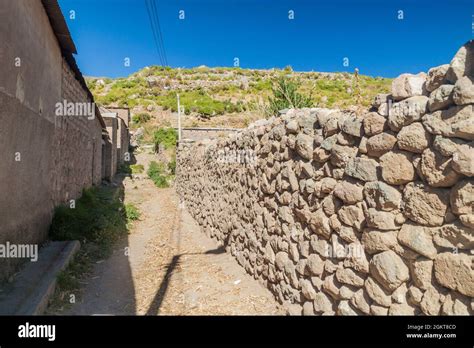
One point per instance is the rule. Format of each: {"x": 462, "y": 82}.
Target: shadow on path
{"x": 161, "y": 293}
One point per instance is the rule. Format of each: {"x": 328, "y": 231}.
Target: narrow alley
{"x": 168, "y": 266}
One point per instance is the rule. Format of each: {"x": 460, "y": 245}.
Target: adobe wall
{"x": 111, "y": 150}
{"x": 78, "y": 145}
{"x": 27, "y": 101}
{"x": 122, "y": 140}
{"x": 45, "y": 160}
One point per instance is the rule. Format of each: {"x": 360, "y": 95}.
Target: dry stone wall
{"x": 343, "y": 214}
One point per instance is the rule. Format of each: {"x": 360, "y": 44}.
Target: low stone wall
{"x": 196, "y": 134}
{"x": 343, "y": 214}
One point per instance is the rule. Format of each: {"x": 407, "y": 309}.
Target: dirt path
{"x": 168, "y": 266}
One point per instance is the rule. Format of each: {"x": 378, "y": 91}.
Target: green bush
{"x": 286, "y": 95}
{"x": 131, "y": 212}
{"x": 165, "y": 136}
{"x": 262, "y": 85}
{"x": 98, "y": 217}
{"x": 156, "y": 174}
{"x": 97, "y": 220}
{"x": 141, "y": 117}
{"x": 331, "y": 85}
{"x": 197, "y": 101}
{"x": 137, "y": 168}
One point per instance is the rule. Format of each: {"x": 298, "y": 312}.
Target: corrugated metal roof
{"x": 66, "y": 43}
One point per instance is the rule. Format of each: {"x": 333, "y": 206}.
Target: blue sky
{"x": 260, "y": 34}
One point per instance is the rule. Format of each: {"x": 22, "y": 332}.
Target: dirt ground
{"x": 168, "y": 266}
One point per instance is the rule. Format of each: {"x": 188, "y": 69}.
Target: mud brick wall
{"x": 347, "y": 214}
{"x": 123, "y": 141}
{"x": 77, "y": 143}
{"x": 111, "y": 151}
{"x": 45, "y": 160}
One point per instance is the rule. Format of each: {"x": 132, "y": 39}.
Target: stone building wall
{"x": 123, "y": 140}
{"x": 77, "y": 145}
{"x": 123, "y": 113}
{"x": 45, "y": 160}
{"x": 27, "y": 101}
{"x": 343, "y": 214}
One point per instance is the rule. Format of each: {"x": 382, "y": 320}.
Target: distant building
{"x": 110, "y": 152}
{"x": 123, "y": 135}
{"x": 123, "y": 113}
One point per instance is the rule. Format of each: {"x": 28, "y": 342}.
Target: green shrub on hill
{"x": 197, "y": 101}
{"x": 286, "y": 95}
{"x": 166, "y": 137}
{"x": 142, "y": 117}
{"x": 208, "y": 92}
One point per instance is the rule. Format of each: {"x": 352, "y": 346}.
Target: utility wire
{"x": 153, "y": 29}
{"x": 160, "y": 33}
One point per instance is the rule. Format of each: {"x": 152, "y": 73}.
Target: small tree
{"x": 286, "y": 95}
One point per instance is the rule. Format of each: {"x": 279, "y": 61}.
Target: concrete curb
{"x": 35, "y": 284}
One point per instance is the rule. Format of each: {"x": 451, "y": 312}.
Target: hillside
{"x": 230, "y": 97}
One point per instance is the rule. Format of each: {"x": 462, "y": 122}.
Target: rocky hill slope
{"x": 230, "y": 97}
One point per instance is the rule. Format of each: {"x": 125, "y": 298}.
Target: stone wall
{"x": 344, "y": 214}
{"x": 196, "y": 134}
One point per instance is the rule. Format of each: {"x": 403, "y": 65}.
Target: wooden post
{"x": 179, "y": 119}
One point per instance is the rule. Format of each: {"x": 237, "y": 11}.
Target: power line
{"x": 153, "y": 29}
{"x": 160, "y": 33}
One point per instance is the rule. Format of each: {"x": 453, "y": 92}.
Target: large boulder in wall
{"x": 462, "y": 64}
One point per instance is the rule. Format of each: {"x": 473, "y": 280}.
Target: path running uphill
{"x": 168, "y": 266}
